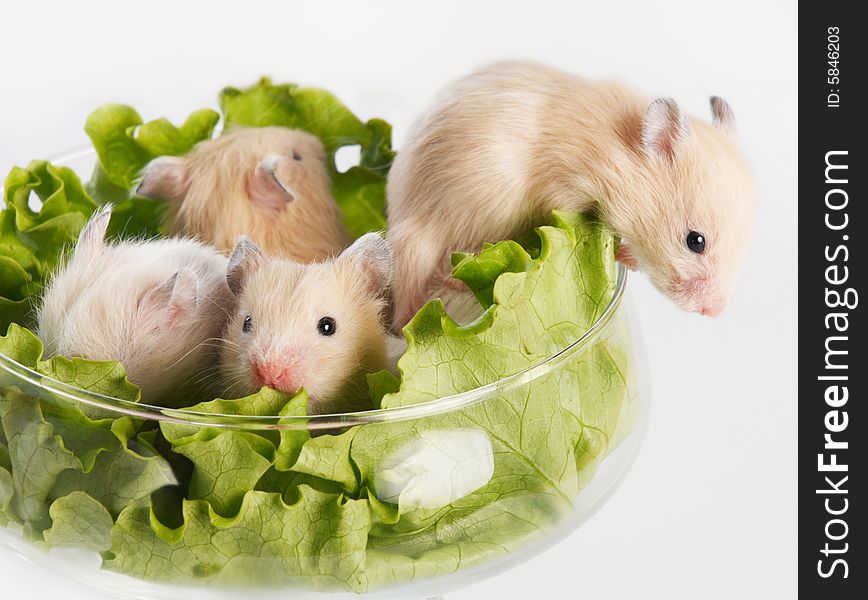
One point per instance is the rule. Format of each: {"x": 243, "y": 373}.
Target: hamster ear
{"x": 265, "y": 187}
{"x": 165, "y": 178}
{"x": 176, "y": 297}
{"x": 664, "y": 128}
{"x": 91, "y": 240}
{"x": 245, "y": 258}
{"x": 371, "y": 256}
{"x": 722, "y": 116}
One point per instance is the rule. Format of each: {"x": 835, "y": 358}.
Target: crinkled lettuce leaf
{"x": 125, "y": 143}
{"x": 318, "y": 541}
{"x": 327, "y": 457}
{"x": 54, "y": 448}
{"x": 534, "y": 307}
{"x": 314, "y": 110}
{"x": 79, "y": 520}
{"x": 228, "y": 463}
{"x": 32, "y": 241}
{"x": 546, "y": 437}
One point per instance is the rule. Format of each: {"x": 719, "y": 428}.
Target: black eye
{"x": 326, "y": 326}
{"x": 696, "y": 242}
{"x": 296, "y": 156}
{"x": 247, "y": 327}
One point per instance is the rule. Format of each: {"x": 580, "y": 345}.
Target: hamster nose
{"x": 712, "y": 309}
{"x": 276, "y": 376}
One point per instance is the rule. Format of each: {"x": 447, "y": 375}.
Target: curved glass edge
{"x": 83, "y": 565}
{"x": 325, "y": 421}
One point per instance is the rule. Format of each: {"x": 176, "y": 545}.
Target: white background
{"x": 709, "y": 510}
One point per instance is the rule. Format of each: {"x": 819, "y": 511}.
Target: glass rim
{"x": 436, "y": 406}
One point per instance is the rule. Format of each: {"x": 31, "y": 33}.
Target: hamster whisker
{"x": 209, "y": 374}
{"x": 215, "y": 345}
{"x": 234, "y": 388}
{"x": 220, "y": 307}
{"x": 188, "y": 353}
{"x": 227, "y": 343}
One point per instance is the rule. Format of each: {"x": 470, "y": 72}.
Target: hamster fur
{"x": 158, "y": 307}
{"x": 505, "y": 146}
{"x": 270, "y": 183}
{"x": 276, "y": 337}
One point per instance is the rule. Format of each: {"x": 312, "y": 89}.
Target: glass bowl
{"x": 456, "y": 489}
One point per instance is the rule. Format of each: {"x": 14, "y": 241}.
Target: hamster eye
{"x": 326, "y": 326}
{"x": 247, "y": 327}
{"x": 296, "y": 155}
{"x": 696, "y": 242}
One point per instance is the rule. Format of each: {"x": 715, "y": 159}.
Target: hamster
{"x": 505, "y": 146}
{"x": 158, "y": 307}
{"x": 270, "y": 183}
{"x": 319, "y": 326}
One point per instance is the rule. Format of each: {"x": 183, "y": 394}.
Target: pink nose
{"x": 711, "y": 310}
{"x": 276, "y": 375}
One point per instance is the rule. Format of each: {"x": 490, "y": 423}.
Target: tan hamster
{"x": 319, "y": 326}
{"x": 270, "y": 183}
{"x": 158, "y": 307}
{"x": 505, "y": 146}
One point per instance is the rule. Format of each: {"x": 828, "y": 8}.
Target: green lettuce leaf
{"x": 314, "y": 110}
{"x": 380, "y": 384}
{"x": 228, "y": 463}
{"x": 79, "y": 521}
{"x": 287, "y": 484}
{"x": 128, "y": 470}
{"x": 37, "y": 456}
{"x": 361, "y": 194}
{"x": 461, "y": 538}
{"x": 545, "y": 437}
{"x": 32, "y": 241}
{"x": 328, "y": 457}
{"x": 319, "y": 541}
{"x": 535, "y": 308}
{"x": 125, "y": 143}
{"x": 55, "y": 449}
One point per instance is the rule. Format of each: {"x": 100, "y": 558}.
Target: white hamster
{"x": 319, "y": 326}
{"x": 505, "y": 146}
{"x": 269, "y": 183}
{"x": 157, "y": 306}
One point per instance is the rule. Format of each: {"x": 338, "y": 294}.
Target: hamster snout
{"x": 317, "y": 326}
{"x": 284, "y": 372}
{"x": 712, "y": 310}
{"x": 699, "y": 295}
{"x": 270, "y": 183}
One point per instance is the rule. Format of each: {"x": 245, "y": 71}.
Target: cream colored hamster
{"x": 270, "y": 183}
{"x": 505, "y": 146}
{"x": 158, "y": 307}
{"x": 319, "y": 326}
